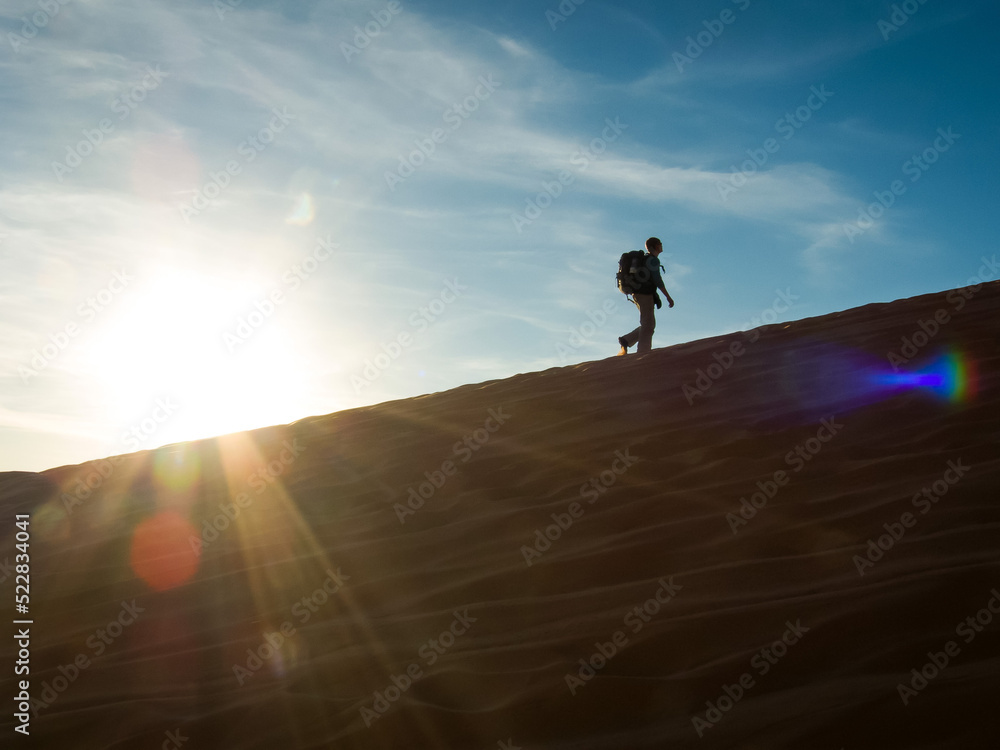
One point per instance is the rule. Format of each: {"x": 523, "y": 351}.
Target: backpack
{"x": 633, "y": 276}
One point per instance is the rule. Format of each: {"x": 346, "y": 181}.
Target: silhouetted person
{"x": 646, "y": 299}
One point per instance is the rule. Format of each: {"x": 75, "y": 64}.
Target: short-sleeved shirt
{"x": 653, "y": 264}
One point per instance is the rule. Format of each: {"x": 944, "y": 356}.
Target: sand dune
{"x": 564, "y": 559}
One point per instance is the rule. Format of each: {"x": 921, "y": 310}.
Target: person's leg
{"x": 647, "y": 322}
{"x": 631, "y": 338}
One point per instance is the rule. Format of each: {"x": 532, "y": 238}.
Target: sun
{"x": 172, "y": 360}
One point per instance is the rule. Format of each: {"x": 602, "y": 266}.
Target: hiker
{"x": 645, "y": 299}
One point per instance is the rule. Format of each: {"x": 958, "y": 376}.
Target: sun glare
{"x": 168, "y": 372}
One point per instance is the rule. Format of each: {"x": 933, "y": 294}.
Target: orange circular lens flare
{"x": 162, "y": 554}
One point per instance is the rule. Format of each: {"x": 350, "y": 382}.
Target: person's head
{"x": 654, "y": 246}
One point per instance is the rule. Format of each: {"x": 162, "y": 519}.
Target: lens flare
{"x": 162, "y": 554}
{"x": 950, "y": 376}
{"x": 304, "y": 211}
{"x": 177, "y": 468}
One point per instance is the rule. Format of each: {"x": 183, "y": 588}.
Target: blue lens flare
{"x": 950, "y": 375}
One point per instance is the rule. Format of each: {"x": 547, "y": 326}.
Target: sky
{"x": 216, "y": 216}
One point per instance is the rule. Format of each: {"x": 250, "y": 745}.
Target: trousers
{"x": 643, "y": 335}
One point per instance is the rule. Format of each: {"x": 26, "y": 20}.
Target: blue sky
{"x": 217, "y": 216}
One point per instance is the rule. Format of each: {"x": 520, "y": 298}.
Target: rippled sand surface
{"x": 586, "y": 557}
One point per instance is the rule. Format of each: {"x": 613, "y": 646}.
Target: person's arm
{"x": 659, "y": 281}
{"x": 670, "y": 301}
